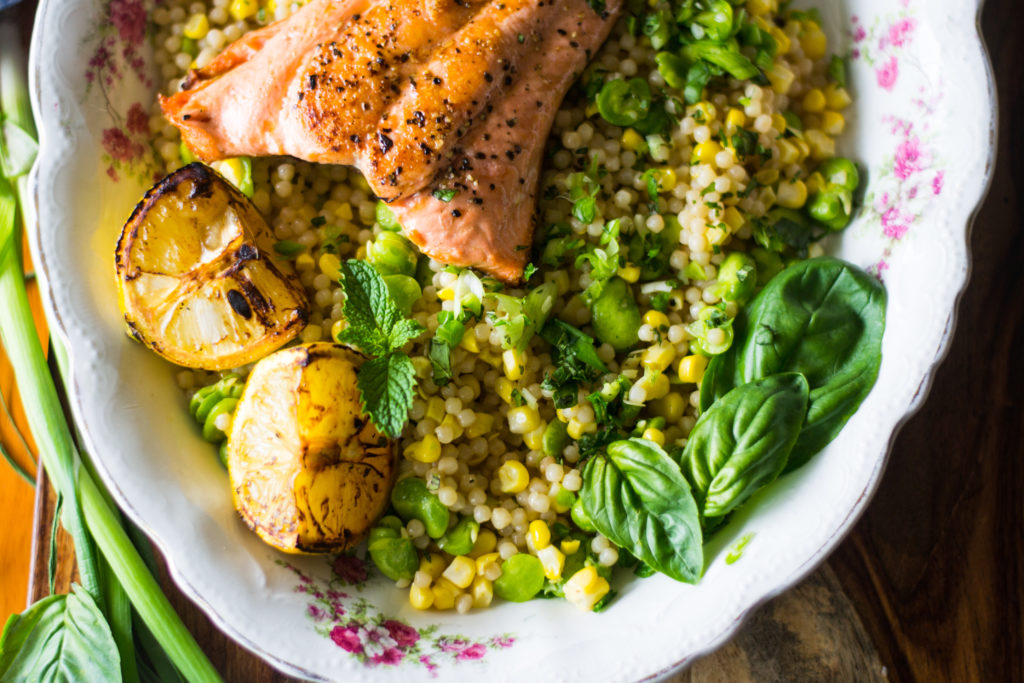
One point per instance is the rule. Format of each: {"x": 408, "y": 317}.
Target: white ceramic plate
{"x": 923, "y": 125}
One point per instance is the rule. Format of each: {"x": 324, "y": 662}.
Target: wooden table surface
{"x": 928, "y": 586}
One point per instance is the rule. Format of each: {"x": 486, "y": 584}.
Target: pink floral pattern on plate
{"x": 374, "y": 639}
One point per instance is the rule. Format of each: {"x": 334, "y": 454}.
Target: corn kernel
{"x": 691, "y": 368}
{"x": 837, "y": 97}
{"x": 492, "y": 359}
{"x": 304, "y": 262}
{"x": 361, "y": 252}
{"x": 504, "y": 389}
{"x": 514, "y": 362}
{"x": 705, "y": 112}
{"x": 671, "y": 407}
{"x": 469, "y": 342}
{"x": 433, "y": 564}
{"x": 767, "y": 176}
{"x": 450, "y": 422}
{"x": 538, "y": 535}
{"x": 659, "y": 356}
{"x": 513, "y": 476}
{"x": 427, "y": 449}
{"x": 792, "y": 194}
{"x": 445, "y": 593}
{"x": 814, "y": 101}
{"x": 822, "y": 146}
{"x": 631, "y": 140}
{"x": 655, "y": 435}
{"x": 781, "y": 77}
{"x": 485, "y": 542}
{"x": 486, "y": 559}
{"x": 482, "y": 592}
{"x": 833, "y": 123}
{"x": 196, "y": 27}
{"x": 733, "y": 218}
{"x": 779, "y": 123}
{"x": 242, "y": 9}
{"x": 553, "y": 561}
{"x": 656, "y": 384}
{"x": 330, "y": 266}
{"x": 656, "y": 319}
{"x": 813, "y": 40}
{"x": 782, "y": 41}
{"x": 815, "y": 182}
{"x": 576, "y": 429}
{"x": 461, "y": 571}
{"x": 788, "y": 153}
{"x": 482, "y": 425}
{"x": 716, "y": 237}
{"x": 435, "y": 408}
{"x": 666, "y": 178}
{"x": 535, "y": 440}
{"x": 570, "y": 546}
{"x": 767, "y": 197}
{"x": 803, "y": 150}
{"x": 734, "y": 120}
{"x": 706, "y": 152}
{"x": 523, "y": 419}
{"x": 585, "y": 588}
{"x": 421, "y": 597}
{"x": 759, "y": 8}
{"x": 446, "y": 294}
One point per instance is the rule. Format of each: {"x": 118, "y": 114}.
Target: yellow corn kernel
{"x": 734, "y": 120}
{"x": 242, "y": 9}
{"x": 704, "y": 112}
{"x": 534, "y": 440}
{"x": 469, "y": 342}
{"x": 716, "y": 237}
{"x": 451, "y": 422}
{"x": 671, "y": 407}
{"x": 433, "y": 564}
{"x": 484, "y": 560}
{"x": 482, "y": 425}
{"x": 482, "y": 592}
{"x": 428, "y": 449}
{"x": 485, "y": 542}
{"x": 446, "y": 294}
{"x": 585, "y": 588}
{"x": 822, "y": 146}
{"x": 304, "y": 261}
{"x": 813, "y": 40}
{"x": 514, "y": 362}
{"x": 555, "y": 492}
{"x": 361, "y": 252}
{"x": 553, "y": 561}
{"x": 343, "y": 212}
{"x": 538, "y": 535}
{"x": 706, "y": 152}
{"x": 656, "y": 319}
{"x": 330, "y": 265}
{"x": 781, "y": 77}
{"x": 837, "y": 97}
{"x": 631, "y": 140}
{"x": 197, "y": 26}
{"x": 759, "y": 8}
{"x": 435, "y": 408}
{"x": 445, "y": 593}
{"x": 513, "y": 476}
{"x": 504, "y": 388}
{"x": 792, "y": 194}
{"x": 815, "y": 182}
{"x": 814, "y": 101}
{"x": 523, "y": 419}
{"x": 691, "y": 368}
{"x": 779, "y": 123}
{"x": 421, "y": 597}
{"x": 833, "y": 123}
{"x": 803, "y": 150}
{"x": 733, "y": 218}
{"x": 659, "y": 356}
{"x": 654, "y": 434}
{"x": 629, "y": 273}
{"x": 569, "y": 546}
{"x": 788, "y": 153}
{"x": 576, "y": 429}
{"x": 655, "y": 383}
{"x": 666, "y": 178}
{"x": 461, "y": 571}
{"x": 337, "y": 327}
{"x": 782, "y": 41}
{"x": 767, "y": 176}
{"x": 492, "y": 359}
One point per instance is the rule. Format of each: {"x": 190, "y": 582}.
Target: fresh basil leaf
{"x": 636, "y": 496}
{"x": 743, "y": 441}
{"x": 62, "y": 638}
{"x": 386, "y": 390}
{"x": 823, "y": 318}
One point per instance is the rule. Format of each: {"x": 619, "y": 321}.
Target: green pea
{"x": 769, "y": 264}
{"x": 615, "y": 316}
{"x": 386, "y": 218}
{"x": 392, "y": 254}
{"x": 211, "y": 432}
{"x": 555, "y": 438}
{"x": 522, "y": 577}
{"x": 826, "y": 207}
{"x": 460, "y": 539}
{"x": 580, "y": 517}
{"x": 394, "y": 555}
{"x": 623, "y": 103}
{"x": 404, "y": 290}
{"x": 737, "y": 278}
{"x": 841, "y": 172}
{"x": 412, "y": 500}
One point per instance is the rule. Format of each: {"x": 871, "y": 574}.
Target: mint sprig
{"x": 377, "y": 328}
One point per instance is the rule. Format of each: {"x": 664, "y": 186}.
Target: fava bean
{"x": 394, "y": 555}
{"x": 615, "y": 316}
{"x": 211, "y": 432}
{"x": 392, "y": 254}
{"x": 737, "y": 278}
{"x": 460, "y": 539}
{"x": 623, "y": 103}
{"x": 832, "y": 205}
{"x": 555, "y": 438}
{"x": 412, "y": 500}
{"x": 404, "y": 290}
{"x": 522, "y": 577}
{"x": 386, "y": 218}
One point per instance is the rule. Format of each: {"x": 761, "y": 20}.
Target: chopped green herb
{"x": 445, "y": 195}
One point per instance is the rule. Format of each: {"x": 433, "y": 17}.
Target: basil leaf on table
{"x": 637, "y": 497}
{"x": 62, "y": 638}
{"x": 743, "y": 442}
{"x": 823, "y": 318}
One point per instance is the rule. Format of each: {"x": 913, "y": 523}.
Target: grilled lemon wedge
{"x": 309, "y": 472}
{"x": 195, "y": 279}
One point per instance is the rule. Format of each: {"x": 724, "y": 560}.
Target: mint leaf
{"x": 369, "y": 309}
{"x": 404, "y": 331}
{"x": 386, "y": 390}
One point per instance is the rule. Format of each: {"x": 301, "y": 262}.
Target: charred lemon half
{"x": 309, "y": 472}
{"x": 195, "y": 277}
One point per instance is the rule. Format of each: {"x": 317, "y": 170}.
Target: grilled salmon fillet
{"x": 414, "y": 93}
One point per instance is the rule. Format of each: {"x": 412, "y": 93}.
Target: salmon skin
{"x": 419, "y": 95}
